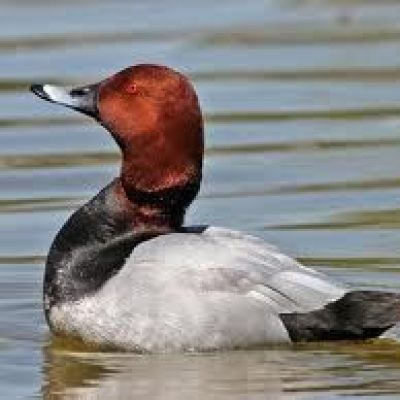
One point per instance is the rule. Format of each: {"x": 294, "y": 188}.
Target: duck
{"x": 126, "y": 272}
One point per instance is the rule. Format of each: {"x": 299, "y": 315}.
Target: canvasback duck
{"x": 125, "y": 272}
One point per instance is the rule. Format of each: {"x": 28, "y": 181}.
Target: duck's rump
{"x": 357, "y": 315}
{"x": 219, "y": 289}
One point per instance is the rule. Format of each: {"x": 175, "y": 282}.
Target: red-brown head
{"x": 154, "y": 115}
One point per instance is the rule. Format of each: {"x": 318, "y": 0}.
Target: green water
{"x": 302, "y": 105}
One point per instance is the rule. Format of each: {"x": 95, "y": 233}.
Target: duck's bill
{"x": 82, "y": 99}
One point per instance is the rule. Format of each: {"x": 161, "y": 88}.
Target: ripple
{"x": 39, "y": 204}
{"x": 29, "y": 161}
{"x": 347, "y": 113}
{"x": 373, "y": 184}
{"x": 294, "y": 34}
{"x": 368, "y": 263}
{"x": 304, "y": 145}
{"x": 353, "y": 74}
{"x": 289, "y": 34}
{"x": 22, "y": 260}
{"x": 41, "y": 122}
{"x": 374, "y": 219}
{"x": 32, "y": 43}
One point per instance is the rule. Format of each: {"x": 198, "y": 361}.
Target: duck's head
{"x": 154, "y": 115}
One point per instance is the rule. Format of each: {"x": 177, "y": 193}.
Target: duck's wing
{"x": 311, "y": 306}
{"x": 223, "y": 260}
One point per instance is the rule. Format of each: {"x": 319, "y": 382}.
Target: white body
{"x": 218, "y": 289}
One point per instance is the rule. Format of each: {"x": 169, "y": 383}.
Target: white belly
{"x": 183, "y": 322}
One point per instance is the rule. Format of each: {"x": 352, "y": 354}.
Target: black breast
{"x": 90, "y": 248}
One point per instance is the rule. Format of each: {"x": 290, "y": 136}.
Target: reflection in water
{"x": 229, "y": 375}
{"x": 278, "y": 373}
{"x": 63, "y": 373}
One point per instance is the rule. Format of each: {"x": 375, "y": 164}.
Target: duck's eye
{"x": 132, "y": 88}
{"x": 80, "y": 91}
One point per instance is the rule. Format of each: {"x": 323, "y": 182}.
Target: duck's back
{"x": 201, "y": 289}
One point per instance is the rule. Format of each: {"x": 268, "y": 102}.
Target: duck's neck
{"x": 153, "y": 212}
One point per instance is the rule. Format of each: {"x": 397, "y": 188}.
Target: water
{"x": 302, "y": 104}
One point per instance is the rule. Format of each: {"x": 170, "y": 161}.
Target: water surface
{"x": 302, "y": 106}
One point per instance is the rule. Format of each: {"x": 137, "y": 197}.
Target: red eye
{"x": 132, "y": 88}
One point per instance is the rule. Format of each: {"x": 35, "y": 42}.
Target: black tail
{"x": 356, "y": 315}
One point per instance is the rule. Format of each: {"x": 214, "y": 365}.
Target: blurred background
{"x": 302, "y": 108}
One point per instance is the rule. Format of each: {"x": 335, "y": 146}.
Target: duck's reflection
{"x": 72, "y": 372}
{"x": 90, "y": 375}
{"x": 66, "y": 372}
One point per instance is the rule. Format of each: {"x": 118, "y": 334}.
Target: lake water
{"x": 302, "y": 104}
